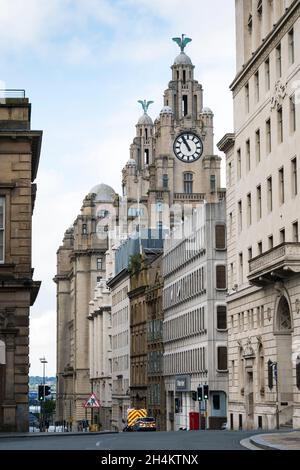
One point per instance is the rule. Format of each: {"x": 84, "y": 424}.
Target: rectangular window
{"x": 281, "y": 185}
{"x": 247, "y": 97}
{"x": 268, "y": 136}
{"x": 216, "y": 402}
{"x": 99, "y": 264}
{"x": 259, "y": 248}
{"x": 282, "y": 235}
{"x": 165, "y": 181}
{"x": 248, "y": 155}
{"x": 279, "y": 125}
{"x": 270, "y": 194}
{"x": 256, "y": 85}
{"x": 221, "y": 317}
{"x": 220, "y": 234}
{"x": 240, "y": 220}
{"x": 229, "y": 174}
{"x": 84, "y": 229}
{"x": 212, "y": 183}
{"x": 230, "y": 224}
{"x": 220, "y": 277}
{"x": 250, "y": 253}
{"x": 267, "y": 74}
{"x": 257, "y": 145}
{"x": 295, "y": 232}
{"x": 270, "y": 242}
{"x": 278, "y": 61}
{"x": 258, "y": 202}
{"x": 2, "y": 228}
{"x": 239, "y": 164}
{"x": 222, "y": 358}
{"x": 188, "y": 183}
{"x": 294, "y": 177}
{"x": 292, "y": 114}
{"x": 249, "y": 210}
{"x": 291, "y": 43}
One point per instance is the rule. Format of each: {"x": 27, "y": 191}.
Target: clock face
{"x": 188, "y": 147}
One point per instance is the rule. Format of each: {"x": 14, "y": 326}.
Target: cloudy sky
{"x": 84, "y": 64}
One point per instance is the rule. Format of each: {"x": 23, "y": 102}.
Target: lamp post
{"x": 44, "y": 362}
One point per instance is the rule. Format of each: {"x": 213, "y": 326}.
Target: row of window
{"x": 250, "y": 319}
{"x": 183, "y": 362}
{"x": 120, "y": 317}
{"x": 120, "y": 340}
{"x": 267, "y": 70}
{"x": 120, "y": 295}
{"x": 269, "y": 188}
{"x": 189, "y": 324}
{"x": 253, "y": 153}
{"x": 138, "y": 343}
{"x": 185, "y": 288}
{"x": 138, "y": 373}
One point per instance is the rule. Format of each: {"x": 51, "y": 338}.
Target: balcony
{"x": 277, "y": 264}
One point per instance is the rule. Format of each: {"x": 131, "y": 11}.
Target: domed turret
{"x": 207, "y": 111}
{"x": 166, "y": 110}
{"x": 182, "y": 59}
{"x": 145, "y": 120}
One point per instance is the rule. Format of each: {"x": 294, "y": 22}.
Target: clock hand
{"x": 186, "y": 143}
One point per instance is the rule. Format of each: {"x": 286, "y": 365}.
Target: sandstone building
{"x": 80, "y": 266}
{"x": 19, "y": 159}
{"x": 263, "y": 217}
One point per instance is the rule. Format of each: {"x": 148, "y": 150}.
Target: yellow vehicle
{"x": 133, "y": 415}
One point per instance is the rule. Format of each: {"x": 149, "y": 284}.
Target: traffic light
{"x": 41, "y": 394}
{"x": 47, "y": 390}
{"x": 194, "y": 396}
{"x": 270, "y": 374}
{"x": 205, "y": 392}
{"x": 199, "y": 393}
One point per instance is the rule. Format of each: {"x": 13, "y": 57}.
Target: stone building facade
{"x": 80, "y": 265}
{"x": 194, "y": 326}
{"x": 262, "y": 217}
{"x": 156, "y": 398}
{"x": 120, "y": 317}
{"x": 19, "y": 159}
{"x": 100, "y": 354}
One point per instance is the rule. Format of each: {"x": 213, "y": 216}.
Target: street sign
{"x": 92, "y": 402}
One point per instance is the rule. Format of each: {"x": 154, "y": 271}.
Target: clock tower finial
{"x": 182, "y": 42}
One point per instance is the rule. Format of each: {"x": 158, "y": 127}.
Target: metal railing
{"x": 11, "y": 93}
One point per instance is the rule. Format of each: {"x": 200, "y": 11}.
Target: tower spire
{"x": 182, "y": 42}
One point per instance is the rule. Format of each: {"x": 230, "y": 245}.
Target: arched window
{"x": 188, "y": 183}
{"x": 284, "y": 322}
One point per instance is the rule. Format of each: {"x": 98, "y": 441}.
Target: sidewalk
{"x": 17, "y": 435}
{"x": 279, "y": 441}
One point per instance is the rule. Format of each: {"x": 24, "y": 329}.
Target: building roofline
{"x": 227, "y": 142}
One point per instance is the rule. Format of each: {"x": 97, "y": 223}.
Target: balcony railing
{"x": 189, "y": 197}
{"x": 279, "y": 263}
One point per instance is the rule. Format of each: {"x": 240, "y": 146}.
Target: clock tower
{"x": 172, "y": 161}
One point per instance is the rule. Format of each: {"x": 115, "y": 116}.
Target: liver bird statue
{"x": 182, "y": 42}
{"x": 145, "y": 105}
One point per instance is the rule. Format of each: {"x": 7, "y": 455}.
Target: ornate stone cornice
{"x": 262, "y": 53}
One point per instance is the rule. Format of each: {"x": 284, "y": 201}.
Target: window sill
{"x": 222, "y": 330}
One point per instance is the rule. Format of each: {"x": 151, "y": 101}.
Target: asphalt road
{"x": 183, "y": 440}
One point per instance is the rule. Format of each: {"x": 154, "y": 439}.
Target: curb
{"x": 54, "y": 434}
{"x": 261, "y": 443}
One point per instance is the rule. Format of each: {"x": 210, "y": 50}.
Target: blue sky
{"x": 84, "y": 64}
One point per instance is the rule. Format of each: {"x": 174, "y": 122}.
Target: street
{"x": 180, "y": 440}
